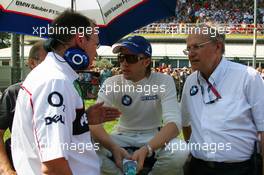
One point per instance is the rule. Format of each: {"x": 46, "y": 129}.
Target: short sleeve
{"x": 105, "y": 93}
{"x": 254, "y": 95}
{"x": 184, "y": 107}
{"x": 170, "y": 106}
{"x": 7, "y": 106}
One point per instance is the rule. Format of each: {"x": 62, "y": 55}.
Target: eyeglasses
{"x": 130, "y": 59}
{"x": 195, "y": 47}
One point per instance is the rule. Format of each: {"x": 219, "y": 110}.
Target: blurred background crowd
{"x": 238, "y": 15}
{"x": 92, "y": 81}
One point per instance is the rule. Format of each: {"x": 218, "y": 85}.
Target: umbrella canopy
{"x": 116, "y": 18}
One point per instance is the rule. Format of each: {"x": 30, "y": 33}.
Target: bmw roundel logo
{"x": 126, "y": 100}
{"x": 193, "y": 90}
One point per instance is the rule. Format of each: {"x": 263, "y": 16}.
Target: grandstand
{"x": 182, "y": 29}
{"x": 234, "y": 15}
{"x": 229, "y": 12}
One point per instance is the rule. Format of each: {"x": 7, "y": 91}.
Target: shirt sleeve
{"x": 53, "y": 111}
{"x": 254, "y": 95}
{"x": 4, "y": 110}
{"x": 185, "y": 115}
{"x": 170, "y": 106}
{"x": 105, "y": 93}
{"x": 7, "y": 106}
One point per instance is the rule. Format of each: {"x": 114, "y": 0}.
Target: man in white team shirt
{"x": 222, "y": 107}
{"x": 150, "y": 117}
{"x": 50, "y": 133}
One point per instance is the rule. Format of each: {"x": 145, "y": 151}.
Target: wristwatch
{"x": 150, "y": 150}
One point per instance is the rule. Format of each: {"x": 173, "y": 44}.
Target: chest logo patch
{"x": 55, "y": 99}
{"x": 150, "y": 97}
{"x": 126, "y": 100}
{"x": 193, "y": 90}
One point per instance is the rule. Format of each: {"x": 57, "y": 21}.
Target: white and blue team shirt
{"x": 146, "y": 104}
{"x": 229, "y": 125}
{"x": 50, "y": 122}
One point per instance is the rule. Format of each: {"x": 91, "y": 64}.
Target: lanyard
{"x": 212, "y": 88}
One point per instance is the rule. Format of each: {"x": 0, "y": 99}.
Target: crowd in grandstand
{"x": 238, "y": 15}
{"x": 227, "y": 11}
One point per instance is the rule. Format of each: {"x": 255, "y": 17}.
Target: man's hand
{"x": 5, "y": 164}
{"x": 120, "y": 154}
{"x": 98, "y": 114}
{"x": 58, "y": 166}
{"x": 8, "y": 172}
{"x": 139, "y": 156}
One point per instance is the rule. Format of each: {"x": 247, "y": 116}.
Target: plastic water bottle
{"x": 129, "y": 167}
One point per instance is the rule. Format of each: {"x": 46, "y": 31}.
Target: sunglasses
{"x": 130, "y": 59}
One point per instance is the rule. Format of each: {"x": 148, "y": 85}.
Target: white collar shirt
{"x": 50, "y": 121}
{"x": 226, "y": 129}
{"x": 145, "y": 104}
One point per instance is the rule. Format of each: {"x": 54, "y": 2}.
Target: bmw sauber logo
{"x": 193, "y": 90}
{"x": 126, "y": 100}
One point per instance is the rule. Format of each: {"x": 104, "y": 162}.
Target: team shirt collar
{"x": 210, "y": 88}
{"x": 63, "y": 65}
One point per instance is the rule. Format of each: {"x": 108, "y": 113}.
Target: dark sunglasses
{"x": 130, "y": 59}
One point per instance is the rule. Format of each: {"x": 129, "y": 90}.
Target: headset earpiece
{"x": 76, "y": 58}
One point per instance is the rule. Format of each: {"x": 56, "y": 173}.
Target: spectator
{"x": 104, "y": 74}
{"x": 7, "y": 109}
{"x": 262, "y": 73}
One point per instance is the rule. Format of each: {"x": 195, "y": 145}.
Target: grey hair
{"x": 213, "y": 34}
{"x": 36, "y": 48}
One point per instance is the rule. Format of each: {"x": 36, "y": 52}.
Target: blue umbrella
{"x": 115, "y": 18}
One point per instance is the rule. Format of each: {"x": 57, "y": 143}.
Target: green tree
{"x": 103, "y": 63}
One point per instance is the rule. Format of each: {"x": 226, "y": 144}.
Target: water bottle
{"x": 129, "y": 167}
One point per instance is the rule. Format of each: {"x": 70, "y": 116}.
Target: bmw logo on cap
{"x": 126, "y": 100}
{"x": 193, "y": 90}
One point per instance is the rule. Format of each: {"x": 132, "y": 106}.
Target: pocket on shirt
{"x": 227, "y": 108}
{"x": 237, "y": 112}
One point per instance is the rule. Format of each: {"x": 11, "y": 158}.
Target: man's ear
{"x": 31, "y": 63}
{"x": 79, "y": 39}
{"x": 219, "y": 46}
{"x": 147, "y": 62}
